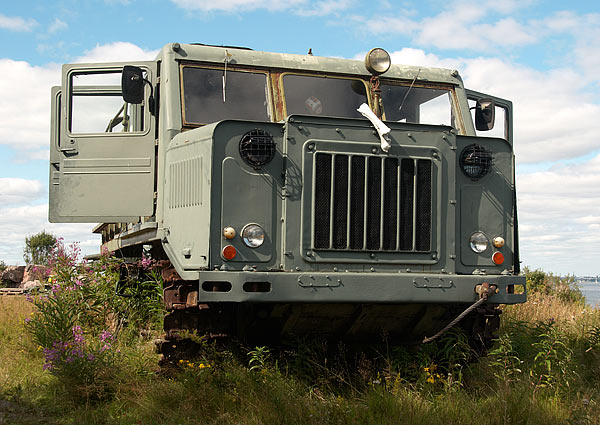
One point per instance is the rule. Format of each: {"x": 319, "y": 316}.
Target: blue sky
{"x": 542, "y": 55}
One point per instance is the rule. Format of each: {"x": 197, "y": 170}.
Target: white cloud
{"x": 25, "y": 100}
{"x": 18, "y": 222}
{"x": 325, "y": 7}
{"x": 25, "y": 103}
{"x": 116, "y": 52}
{"x": 300, "y": 7}
{"x": 16, "y": 190}
{"x": 16, "y": 23}
{"x": 57, "y": 25}
{"x": 558, "y": 213}
{"x": 555, "y": 116}
{"x": 237, "y": 5}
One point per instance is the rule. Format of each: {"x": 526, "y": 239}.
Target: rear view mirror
{"x": 132, "y": 85}
{"x": 484, "y": 114}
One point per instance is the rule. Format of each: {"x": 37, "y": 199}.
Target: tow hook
{"x": 485, "y": 290}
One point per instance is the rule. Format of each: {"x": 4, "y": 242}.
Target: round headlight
{"x": 253, "y": 235}
{"x": 475, "y": 161}
{"x": 257, "y": 148}
{"x": 377, "y": 61}
{"x": 478, "y": 242}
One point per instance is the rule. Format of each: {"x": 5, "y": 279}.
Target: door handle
{"x": 71, "y": 147}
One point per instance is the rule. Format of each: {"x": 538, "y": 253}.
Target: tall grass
{"x": 543, "y": 369}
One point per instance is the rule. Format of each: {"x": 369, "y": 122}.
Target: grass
{"x": 545, "y": 369}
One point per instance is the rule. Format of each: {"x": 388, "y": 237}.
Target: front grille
{"x": 370, "y": 203}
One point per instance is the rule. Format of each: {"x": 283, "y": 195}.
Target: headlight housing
{"x": 253, "y": 235}
{"x": 257, "y": 148}
{"x": 478, "y": 242}
{"x": 377, "y": 61}
{"x": 475, "y": 161}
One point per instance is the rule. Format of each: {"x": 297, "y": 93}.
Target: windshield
{"x": 417, "y": 104}
{"x": 210, "y": 95}
{"x": 313, "y": 95}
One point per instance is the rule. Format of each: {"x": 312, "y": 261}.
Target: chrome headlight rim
{"x": 253, "y": 235}
{"x": 479, "y": 242}
{"x": 378, "y": 61}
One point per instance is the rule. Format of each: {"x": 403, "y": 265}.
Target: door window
{"x": 98, "y": 107}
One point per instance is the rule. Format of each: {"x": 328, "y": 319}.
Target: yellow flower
{"x": 426, "y": 369}
{"x": 430, "y": 380}
{"x": 40, "y": 348}
{"x": 180, "y": 361}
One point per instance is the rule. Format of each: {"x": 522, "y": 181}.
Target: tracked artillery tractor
{"x": 295, "y": 194}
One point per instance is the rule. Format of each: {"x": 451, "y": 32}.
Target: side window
{"x": 500, "y": 124}
{"x": 97, "y": 106}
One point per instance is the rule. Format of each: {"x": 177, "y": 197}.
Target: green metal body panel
{"x": 99, "y": 176}
{"x": 190, "y": 183}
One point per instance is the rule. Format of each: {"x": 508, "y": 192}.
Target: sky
{"x": 544, "y": 56}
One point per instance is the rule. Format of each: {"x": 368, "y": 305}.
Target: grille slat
{"x": 390, "y": 204}
{"x": 373, "y": 203}
{"x": 407, "y": 171}
{"x": 423, "y": 210}
{"x": 357, "y": 202}
{"x": 322, "y": 197}
{"x": 340, "y": 202}
{"x": 370, "y": 203}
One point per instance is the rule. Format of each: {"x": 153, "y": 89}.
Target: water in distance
{"x": 591, "y": 292}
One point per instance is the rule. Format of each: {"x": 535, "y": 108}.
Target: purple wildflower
{"x": 91, "y": 357}
{"x": 146, "y": 261}
{"x": 27, "y": 320}
{"x": 78, "y": 335}
{"x": 106, "y": 336}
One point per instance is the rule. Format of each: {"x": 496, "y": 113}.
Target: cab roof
{"x": 309, "y": 63}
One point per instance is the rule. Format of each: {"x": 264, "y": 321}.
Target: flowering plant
{"x": 79, "y": 322}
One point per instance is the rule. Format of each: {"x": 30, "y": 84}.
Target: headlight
{"x": 475, "y": 161}
{"x": 257, "y": 148}
{"x": 253, "y": 235}
{"x": 377, "y": 61}
{"x": 478, "y": 242}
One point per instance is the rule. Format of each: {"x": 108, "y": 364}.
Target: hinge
{"x": 155, "y": 142}
{"x": 155, "y": 196}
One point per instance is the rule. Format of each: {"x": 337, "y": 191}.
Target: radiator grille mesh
{"x": 370, "y": 203}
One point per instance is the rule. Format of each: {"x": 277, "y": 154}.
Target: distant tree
{"x": 2, "y": 266}
{"x": 38, "y": 248}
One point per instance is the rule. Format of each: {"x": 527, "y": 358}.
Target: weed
{"x": 258, "y": 358}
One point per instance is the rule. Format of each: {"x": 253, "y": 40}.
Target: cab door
{"x": 102, "y": 153}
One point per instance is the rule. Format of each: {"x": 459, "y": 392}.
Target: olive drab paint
{"x": 228, "y": 137}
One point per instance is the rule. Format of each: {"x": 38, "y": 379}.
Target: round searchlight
{"x": 377, "y": 61}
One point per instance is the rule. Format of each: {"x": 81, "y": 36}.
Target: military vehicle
{"x": 294, "y": 194}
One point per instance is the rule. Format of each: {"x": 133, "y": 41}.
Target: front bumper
{"x": 389, "y": 288}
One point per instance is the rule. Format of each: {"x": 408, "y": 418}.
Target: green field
{"x": 543, "y": 369}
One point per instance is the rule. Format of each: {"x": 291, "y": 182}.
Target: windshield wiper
{"x": 409, "y": 89}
